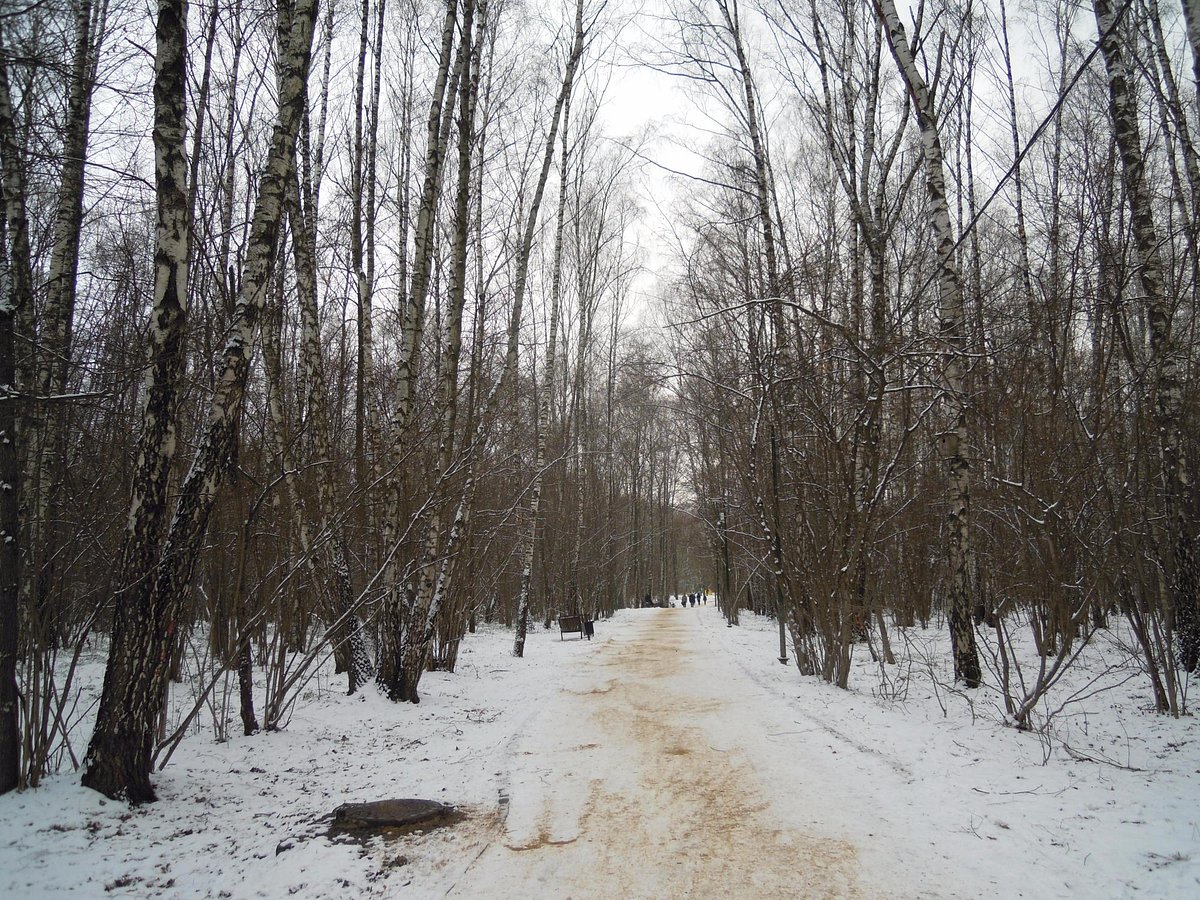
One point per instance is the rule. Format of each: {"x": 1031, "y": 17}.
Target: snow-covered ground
{"x": 1106, "y": 805}
{"x": 671, "y": 751}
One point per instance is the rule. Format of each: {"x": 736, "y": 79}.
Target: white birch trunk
{"x": 391, "y": 651}
{"x": 45, "y": 465}
{"x": 414, "y": 313}
{"x": 1191, "y": 18}
{"x": 16, "y": 292}
{"x": 120, "y": 757}
{"x": 392, "y": 647}
{"x": 530, "y": 537}
{"x": 118, "y": 760}
{"x": 433, "y": 575}
{"x": 390, "y": 671}
{"x": 1165, "y": 389}
{"x": 953, "y": 442}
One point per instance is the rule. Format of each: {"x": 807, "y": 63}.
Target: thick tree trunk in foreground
{"x": 952, "y": 443}
{"x": 16, "y": 292}
{"x": 121, "y": 753}
{"x": 118, "y": 759}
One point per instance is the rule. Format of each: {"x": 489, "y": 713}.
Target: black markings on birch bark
{"x": 1165, "y": 388}
{"x": 120, "y": 756}
{"x": 118, "y": 761}
{"x": 953, "y": 442}
{"x": 16, "y": 293}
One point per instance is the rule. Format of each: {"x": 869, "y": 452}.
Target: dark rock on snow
{"x": 390, "y": 814}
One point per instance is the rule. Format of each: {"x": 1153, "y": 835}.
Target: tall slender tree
{"x": 1165, "y": 390}
{"x": 953, "y": 441}
{"x": 120, "y": 755}
{"x": 16, "y": 291}
{"x": 118, "y": 760}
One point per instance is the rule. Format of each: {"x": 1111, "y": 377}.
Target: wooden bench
{"x": 574, "y": 625}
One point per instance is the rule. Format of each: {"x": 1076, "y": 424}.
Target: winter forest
{"x": 338, "y": 339}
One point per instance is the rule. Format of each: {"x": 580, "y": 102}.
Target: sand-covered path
{"x": 642, "y": 779}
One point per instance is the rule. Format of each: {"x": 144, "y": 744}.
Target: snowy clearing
{"x": 670, "y": 757}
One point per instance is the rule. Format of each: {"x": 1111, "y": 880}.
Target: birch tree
{"x": 118, "y": 761}
{"x": 392, "y": 647}
{"x": 16, "y": 291}
{"x": 546, "y": 400}
{"x": 403, "y": 679}
{"x": 119, "y": 758}
{"x": 953, "y": 442}
{"x": 438, "y": 549}
{"x": 53, "y": 347}
{"x": 1165, "y": 388}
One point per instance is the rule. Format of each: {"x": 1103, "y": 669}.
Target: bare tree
{"x": 16, "y": 290}
{"x": 119, "y": 757}
{"x": 1165, "y": 357}
{"x": 952, "y": 443}
{"x": 53, "y": 347}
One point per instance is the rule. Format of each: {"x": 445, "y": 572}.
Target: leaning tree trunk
{"x": 120, "y": 756}
{"x": 433, "y": 574}
{"x": 349, "y": 645}
{"x": 347, "y": 638}
{"x": 302, "y": 198}
{"x": 524, "y": 252}
{"x": 16, "y": 292}
{"x": 952, "y": 443}
{"x": 389, "y": 672}
{"x": 1166, "y": 389}
{"x": 530, "y": 537}
{"x": 423, "y": 249}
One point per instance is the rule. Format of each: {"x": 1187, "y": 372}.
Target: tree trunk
{"x": 392, "y": 650}
{"x": 414, "y": 313}
{"x": 349, "y": 644}
{"x": 391, "y": 669}
{"x": 952, "y": 443}
{"x": 433, "y": 577}
{"x": 16, "y": 292}
{"x": 530, "y": 536}
{"x": 120, "y": 756}
{"x": 45, "y": 463}
{"x": 1191, "y": 16}
{"x": 118, "y": 760}
{"x": 1165, "y": 390}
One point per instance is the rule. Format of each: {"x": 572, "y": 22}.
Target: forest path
{"x": 641, "y": 779}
